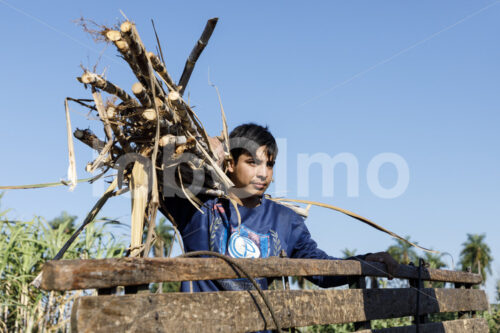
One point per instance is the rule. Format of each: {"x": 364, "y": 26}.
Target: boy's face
{"x": 252, "y": 175}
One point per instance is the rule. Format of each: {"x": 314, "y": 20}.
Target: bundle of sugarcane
{"x": 149, "y": 136}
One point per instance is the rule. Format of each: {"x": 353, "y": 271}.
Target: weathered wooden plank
{"x": 103, "y": 273}
{"x": 475, "y": 325}
{"x": 243, "y": 311}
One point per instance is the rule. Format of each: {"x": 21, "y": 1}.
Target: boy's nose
{"x": 261, "y": 171}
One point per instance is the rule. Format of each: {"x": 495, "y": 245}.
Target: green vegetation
{"x": 24, "y": 247}
{"x": 498, "y": 291}
{"x": 347, "y": 253}
{"x": 493, "y": 318}
{"x": 163, "y": 248}
{"x": 476, "y": 254}
{"x": 403, "y": 252}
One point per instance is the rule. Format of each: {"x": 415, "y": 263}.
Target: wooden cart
{"x": 243, "y": 311}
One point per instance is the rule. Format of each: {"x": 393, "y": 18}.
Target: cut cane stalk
{"x": 141, "y": 94}
{"x": 164, "y": 110}
{"x": 122, "y": 46}
{"x": 183, "y": 108}
{"x": 130, "y": 35}
{"x": 139, "y": 191}
{"x": 113, "y": 35}
{"x": 195, "y": 54}
{"x": 103, "y": 158}
{"x": 111, "y": 112}
{"x": 72, "y": 177}
{"x": 160, "y": 68}
{"x": 175, "y": 98}
{"x": 168, "y": 139}
{"x": 103, "y": 115}
{"x": 90, "y": 139}
{"x": 149, "y": 114}
{"x": 98, "y": 82}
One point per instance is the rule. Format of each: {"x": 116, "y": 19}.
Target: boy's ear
{"x": 230, "y": 166}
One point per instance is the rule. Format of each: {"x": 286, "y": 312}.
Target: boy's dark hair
{"x": 248, "y": 138}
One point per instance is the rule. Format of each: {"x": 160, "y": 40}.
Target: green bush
{"x": 493, "y": 318}
{"x": 24, "y": 247}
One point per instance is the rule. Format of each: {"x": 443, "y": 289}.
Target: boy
{"x": 264, "y": 228}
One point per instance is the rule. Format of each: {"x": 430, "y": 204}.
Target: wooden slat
{"x": 475, "y": 325}
{"x": 104, "y": 273}
{"x": 239, "y": 311}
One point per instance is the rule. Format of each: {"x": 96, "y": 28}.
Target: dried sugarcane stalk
{"x": 111, "y": 112}
{"x": 139, "y": 190}
{"x": 113, "y": 35}
{"x": 225, "y": 132}
{"x": 149, "y": 114}
{"x": 189, "y": 119}
{"x": 90, "y": 139}
{"x": 117, "y": 130}
{"x": 195, "y": 54}
{"x": 175, "y": 98}
{"x": 138, "y": 51}
{"x": 81, "y": 102}
{"x": 141, "y": 94}
{"x": 212, "y": 193}
{"x": 155, "y": 196}
{"x": 72, "y": 177}
{"x": 153, "y": 209}
{"x": 103, "y": 115}
{"x": 160, "y": 68}
{"x": 103, "y": 158}
{"x": 226, "y": 182}
{"x": 163, "y": 109}
{"x": 122, "y": 46}
{"x": 98, "y": 82}
{"x": 124, "y": 49}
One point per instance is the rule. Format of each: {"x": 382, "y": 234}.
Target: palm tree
{"x": 164, "y": 238}
{"x": 434, "y": 260}
{"x": 476, "y": 254}
{"x": 498, "y": 290}
{"x": 64, "y": 219}
{"x": 403, "y": 252}
{"x": 162, "y": 248}
{"x": 348, "y": 253}
{"x": 165, "y": 234}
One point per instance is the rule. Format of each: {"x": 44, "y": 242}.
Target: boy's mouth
{"x": 259, "y": 186}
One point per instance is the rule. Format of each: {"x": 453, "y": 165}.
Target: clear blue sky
{"x": 418, "y": 79}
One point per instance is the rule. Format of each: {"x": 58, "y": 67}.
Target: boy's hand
{"x": 385, "y": 258}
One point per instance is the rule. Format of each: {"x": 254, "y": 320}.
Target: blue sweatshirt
{"x": 264, "y": 231}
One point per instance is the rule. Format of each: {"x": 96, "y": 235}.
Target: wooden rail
{"x": 105, "y": 273}
{"x": 244, "y": 311}
{"x": 474, "y": 325}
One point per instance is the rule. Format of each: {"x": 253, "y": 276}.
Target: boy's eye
{"x": 270, "y": 164}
